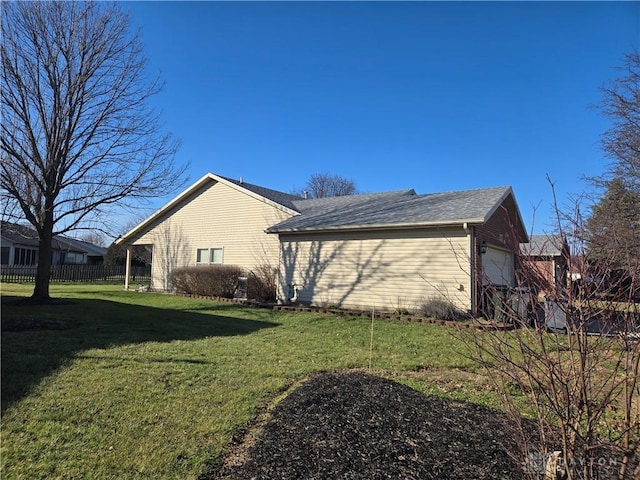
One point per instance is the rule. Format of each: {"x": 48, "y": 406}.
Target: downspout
{"x": 471, "y": 232}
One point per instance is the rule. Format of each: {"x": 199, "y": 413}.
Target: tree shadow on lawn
{"x": 37, "y": 340}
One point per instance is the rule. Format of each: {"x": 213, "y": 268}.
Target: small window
{"x": 216, "y": 255}
{"x": 207, "y": 256}
{"x": 203, "y": 255}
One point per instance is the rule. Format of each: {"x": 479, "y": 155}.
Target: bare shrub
{"x": 575, "y": 370}
{"x": 210, "y": 280}
{"x": 440, "y": 308}
{"x": 261, "y": 285}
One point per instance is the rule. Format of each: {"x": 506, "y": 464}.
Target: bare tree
{"x": 78, "y": 134}
{"x": 571, "y": 361}
{"x": 621, "y": 103}
{"x": 321, "y": 185}
{"x": 95, "y": 238}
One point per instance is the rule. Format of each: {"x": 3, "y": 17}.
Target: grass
{"x": 116, "y": 384}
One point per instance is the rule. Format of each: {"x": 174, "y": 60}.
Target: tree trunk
{"x": 43, "y": 272}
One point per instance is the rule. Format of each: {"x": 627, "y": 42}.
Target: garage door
{"x": 498, "y": 268}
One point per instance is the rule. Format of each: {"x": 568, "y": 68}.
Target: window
{"x": 216, "y": 255}
{"x": 206, "y": 256}
{"x": 25, "y": 256}
{"x": 73, "y": 258}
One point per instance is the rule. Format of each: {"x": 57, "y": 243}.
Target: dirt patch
{"x": 354, "y": 425}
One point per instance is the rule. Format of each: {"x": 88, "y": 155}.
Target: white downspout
{"x": 472, "y": 266}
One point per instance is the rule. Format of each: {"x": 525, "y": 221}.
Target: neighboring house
{"x": 19, "y": 246}
{"x": 91, "y": 254}
{"x": 385, "y": 250}
{"x": 545, "y": 264}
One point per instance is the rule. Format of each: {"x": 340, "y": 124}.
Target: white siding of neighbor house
{"x": 216, "y": 216}
{"x": 386, "y": 270}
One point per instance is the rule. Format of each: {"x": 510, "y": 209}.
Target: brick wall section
{"x": 501, "y": 229}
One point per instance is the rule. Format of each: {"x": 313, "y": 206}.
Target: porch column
{"x": 127, "y": 269}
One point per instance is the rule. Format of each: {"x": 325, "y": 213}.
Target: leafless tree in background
{"x": 78, "y": 134}
{"x": 621, "y": 104}
{"x": 571, "y": 361}
{"x": 321, "y": 185}
{"x": 94, "y": 238}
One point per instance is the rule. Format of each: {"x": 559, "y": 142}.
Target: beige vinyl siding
{"x": 393, "y": 269}
{"x": 216, "y": 216}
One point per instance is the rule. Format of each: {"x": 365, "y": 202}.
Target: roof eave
{"x": 462, "y": 223}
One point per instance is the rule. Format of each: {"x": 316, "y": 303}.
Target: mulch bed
{"x": 354, "y": 425}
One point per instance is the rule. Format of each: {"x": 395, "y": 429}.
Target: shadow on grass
{"x": 37, "y": 340}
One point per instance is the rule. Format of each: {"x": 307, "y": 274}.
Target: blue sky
{"x": 435, "y": 96}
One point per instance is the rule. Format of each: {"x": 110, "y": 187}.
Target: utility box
{"x": 241, "y": 288}
{"x": 555, "y": 316}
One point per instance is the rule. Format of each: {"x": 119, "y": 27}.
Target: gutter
{"x": 379, "y": 226}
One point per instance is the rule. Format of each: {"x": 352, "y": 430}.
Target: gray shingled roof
{"x": 543, "y": 246}
{"x": 281, "y": 198}
{"x": 27, "y": 236}
{"x": 89, "y": 248}
{"x": 19, "y": 234}
{"x": 393, "y": 209}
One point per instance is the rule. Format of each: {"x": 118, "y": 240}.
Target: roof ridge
{"x": 466, "y": 190}
{"x": 402, "y": 192}
{"x": 242, "y": 183}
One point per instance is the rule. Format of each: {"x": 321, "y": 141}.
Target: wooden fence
{"x": 75, "y": 273}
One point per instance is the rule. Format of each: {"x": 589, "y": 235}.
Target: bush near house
{"x": 441, "y": 308}
{"x": 210, "y": 280}
{"x": 261, "y": 284}
{"x": 223, "y": 281}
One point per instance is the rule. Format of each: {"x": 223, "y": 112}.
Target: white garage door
{"x": 498, "y": 268}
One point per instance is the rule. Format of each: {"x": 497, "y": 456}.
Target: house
{"x": 386, "y": 250}
{"x": 19, "y": 246}
{"x": 396, "y": 250}
{"x": 545, "y": 264}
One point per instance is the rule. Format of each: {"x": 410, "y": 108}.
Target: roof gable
{"x": 279, "y": 200}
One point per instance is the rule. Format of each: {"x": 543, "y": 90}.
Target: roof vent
{"x": 241, "y": 181}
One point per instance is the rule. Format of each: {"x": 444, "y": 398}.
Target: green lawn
{"x": 119, "y": 384}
